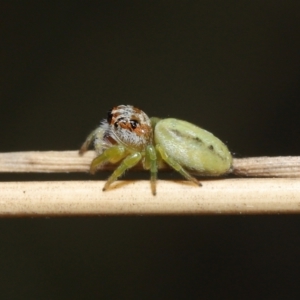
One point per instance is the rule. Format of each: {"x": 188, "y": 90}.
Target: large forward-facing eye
{"x": 134, "y": 124}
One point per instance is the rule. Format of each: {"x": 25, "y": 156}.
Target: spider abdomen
{"x": 194, "y": 148}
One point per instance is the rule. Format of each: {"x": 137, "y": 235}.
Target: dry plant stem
{"x": 70, "y": 161}
{"x": 45, "y": 162}
{"x": 227, "y": 196}
{"x": 224, "y": 196}
{"x": 281, "y": 166}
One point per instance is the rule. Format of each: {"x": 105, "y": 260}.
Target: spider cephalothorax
{"x": 128, "y": 126}
{"x": 125, "y": 135}
{"x": 129, "y": 136}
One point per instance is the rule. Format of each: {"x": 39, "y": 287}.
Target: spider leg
{"x": 130, "y": 161}
{"x": 113, "y": 155}
{"x": 175, "y": 165}
{"x": 151, "y": 163}
{"x": 97, "y": 133}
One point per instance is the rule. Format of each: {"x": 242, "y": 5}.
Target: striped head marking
{"x": 130, "y": 126}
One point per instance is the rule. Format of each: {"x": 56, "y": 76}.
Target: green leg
{"x": 113, "y": 155}
{"x": 176, "y": 166}
{"x": 151, "y": 163}
{"x": 130, "y": 161}
{"x": 98, "y": 132}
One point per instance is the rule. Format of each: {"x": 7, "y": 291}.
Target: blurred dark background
{"x": 232, "y": 67}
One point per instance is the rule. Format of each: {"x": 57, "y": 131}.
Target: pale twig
{"x": 227, "y": 196}
{"x": 70, "y": 161}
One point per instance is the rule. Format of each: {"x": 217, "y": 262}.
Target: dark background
{"x": 232, "y": 67}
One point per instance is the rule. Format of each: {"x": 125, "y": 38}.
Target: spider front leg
{"x": 129, "y": 162}
{"x": 175, "y": 165}
{"x": 112, "y": 155}
{"x": 97, "y": 133}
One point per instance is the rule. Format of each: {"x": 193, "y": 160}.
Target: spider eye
{"x": 109, "y": 116}
{"x": 134, "y": 124}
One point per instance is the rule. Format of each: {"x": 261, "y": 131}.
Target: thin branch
{"x": 280, "y": 166}
{"x": 70, "y": 161}
{"x": 227, "y": 196}
{"x": 218, "y": 196}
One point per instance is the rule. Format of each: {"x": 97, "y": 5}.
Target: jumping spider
{"x": 130, "y": 136}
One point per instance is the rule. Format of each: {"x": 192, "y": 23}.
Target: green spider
{"x": 130, "y": 136}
